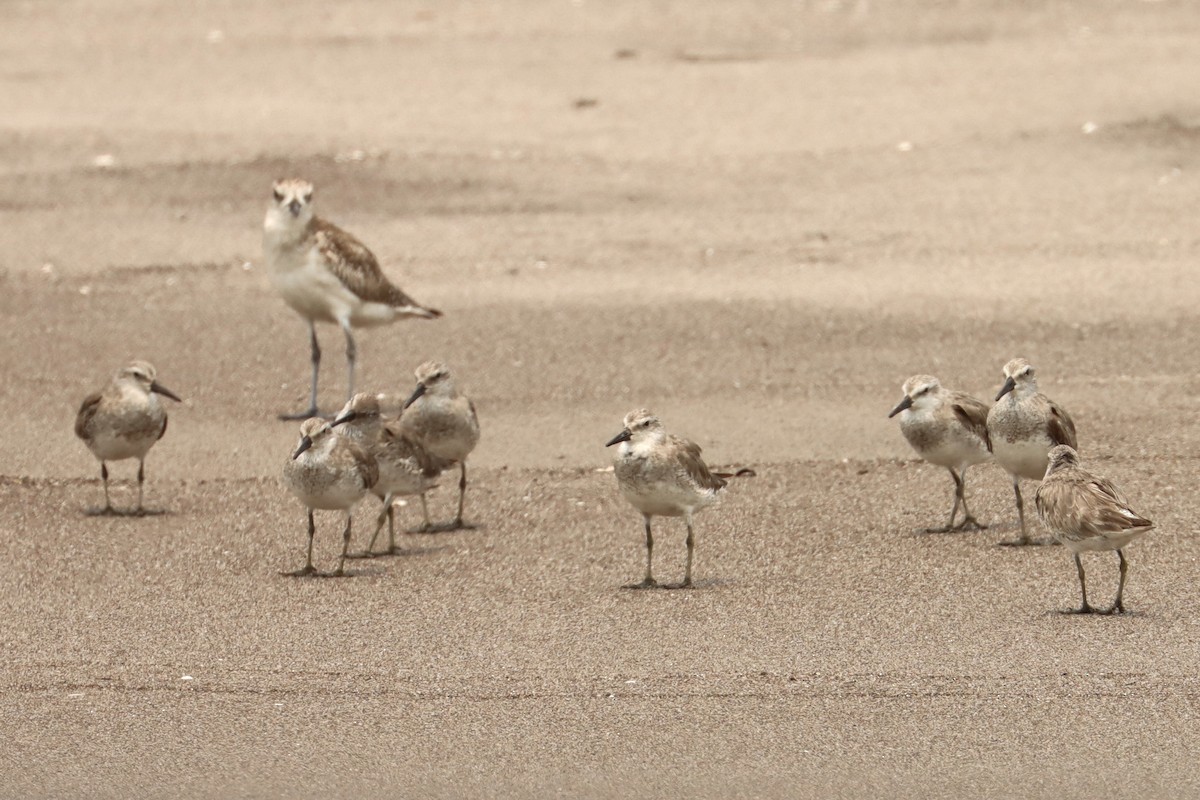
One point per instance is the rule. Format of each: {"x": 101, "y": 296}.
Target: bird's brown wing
{"x": 162, "y": 431}
{"x": 688, "y": 454}
{"x": 358, "y": 270}
{"x": 86, "y": 411}
{"x": 1062, "y": 427}
{"x": 1109, "y": 511}
{"x": 973, "y": 415}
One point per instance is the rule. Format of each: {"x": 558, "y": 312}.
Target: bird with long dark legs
{"x": 329, "y": 472}
{"x": 660, "y": 474}
{"x": 1023, "y": 425}
{"x": 327, "y": 275}
{"x": 1088, "y": 513}
{"x": 405, "y": 469}
{"x": 443, "y": 422}
{"x": 949, "y": 429}
{"x": 124, "y": 420}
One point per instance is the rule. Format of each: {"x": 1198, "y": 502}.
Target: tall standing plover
{"x": 1023, "y": 425}
{"x": 443, "y": 422}
{"x": 404, "y": 466}
{"x": 328, "y": 472}
{"x": 948, "y": 429}
{"x": 326, "y": 275}
{"x": 124, "y": 420}
{"x": 1087, "y": 513}
{"x": 662, "y": 475}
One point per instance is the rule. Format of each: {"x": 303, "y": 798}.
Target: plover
{"x": 328, "y": 472}
{"x": 124, "y": 420}
{"x": 1085, "y": 512}
{"x": 948, "y": 429}
{"x": 326, "y": 275}
{"x": 405, "y": 468}
{"x": 1023, "y": 425}
{"x": 443, "y": 422}
{"x": 662, "y": 475}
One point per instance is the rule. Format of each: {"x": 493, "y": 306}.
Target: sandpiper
{"x": 443, "y": 422}
{"x": 1085, "y": 512}
{"x": 328, "y": 472}
{"x": 124, "y": 420}
{"x": 405, "y": 468}
{"x": 948, "y": 429}
{"x": 662, "y": 475}
{"x": 1023, "y": 425}
{"x": 327, "y": 275}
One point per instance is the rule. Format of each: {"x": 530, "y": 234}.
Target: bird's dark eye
{"x": 308, "y": 197}
{"x": 278, "y": 196}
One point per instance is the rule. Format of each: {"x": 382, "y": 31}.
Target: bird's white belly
{"x": 1024, "y": 458}
{"x": 1099, "y": 544}
{"x": 110, "y": 446}
{"x": 307, "y": 285}
{"x": 955, "y": 453}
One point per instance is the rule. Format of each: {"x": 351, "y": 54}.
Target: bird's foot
{"x": 107, "y": 511}
{"x": 970, "y": 524}
{"x": 1116, "y": 609}
{"x": 648, "y": 583}
{"x": 364, "y": 554}
{"x": 943, "y": 529}
{"x": 303, "y": 572}
{"x": 337, "y": 573}
{"x": 1084, "y": 609}
{"x": 686, "y": 584}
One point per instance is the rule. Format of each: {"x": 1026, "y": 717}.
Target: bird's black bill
{"x": 904, "y": 404}
{"x": 347, "y": 417}
{"x": 420, "y": 390}
{"x": 155, "y": 386}
{"x": 294, "y": 207}
{"x": 1008, "y": 386}
{"x": 623, "y": 436}
{"x": 305, "y": 443}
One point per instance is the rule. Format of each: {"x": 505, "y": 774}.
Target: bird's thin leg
{"x": 1118, "y": 607}
{"x": 691, "y": 546}
{"x": 426, "y": 525}
{"x": 969, "y": 522}
{"x": 341, "y": 567}
{"x": 462, "y": 491}
{"x": 316, "y": 370}
{"x": 1085, "y": 608}
{"x": 370, "y": 551}
{"x": 351, "y": 355}
{"x": 391, "y": 512}
{"x": 648, "y": 582}
{"x": 954, "y": 508}
{"x": 1024, "y": 538}
{"x": 308, "y": 565}
{"x": 108, "y": 509}
{"x": 141, "y": 483}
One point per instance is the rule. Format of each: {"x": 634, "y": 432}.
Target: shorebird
{"x": 404, "y": 466}
{"x": 948, "y": 429}
{"x": 443, "y": 422}
{"x": 662, "y": 475}
{"x": 124, "y": 420}
{"x": 327, "y": 472}
{"x": 326, "y": 275}
{"x": 1023, "y": 425}
{"x": 1085, "y": 512}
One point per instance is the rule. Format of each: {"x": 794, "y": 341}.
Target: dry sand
{"x": 757, "y": 219}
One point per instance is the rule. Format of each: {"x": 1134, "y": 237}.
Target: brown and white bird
{"x": 1023, "y": 425}
{"x": 662, "y": 475}
{"x": 1087, "y": 513}
{"x": 124, "y": 420}
{"x": 330, "y": 472}
{"x": 443, "y": 422}
{"x": 405, "y": 469}
{"x": 327, "y": 275}
{"x": 948, "y": 429}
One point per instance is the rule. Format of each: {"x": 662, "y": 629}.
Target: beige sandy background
{"x": 755, "y": 218}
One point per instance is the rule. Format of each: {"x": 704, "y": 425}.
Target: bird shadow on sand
{"x": 662, "y": 586}
{"x": 444, "y": 527}
{"x": 127, "y": 514}
{"x": 399, "y": 552}
{"x": 1060, "y": 613}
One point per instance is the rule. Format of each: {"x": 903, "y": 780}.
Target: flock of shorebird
{"x": 1032, "y": 438}
{"x": 327, "y": 275}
